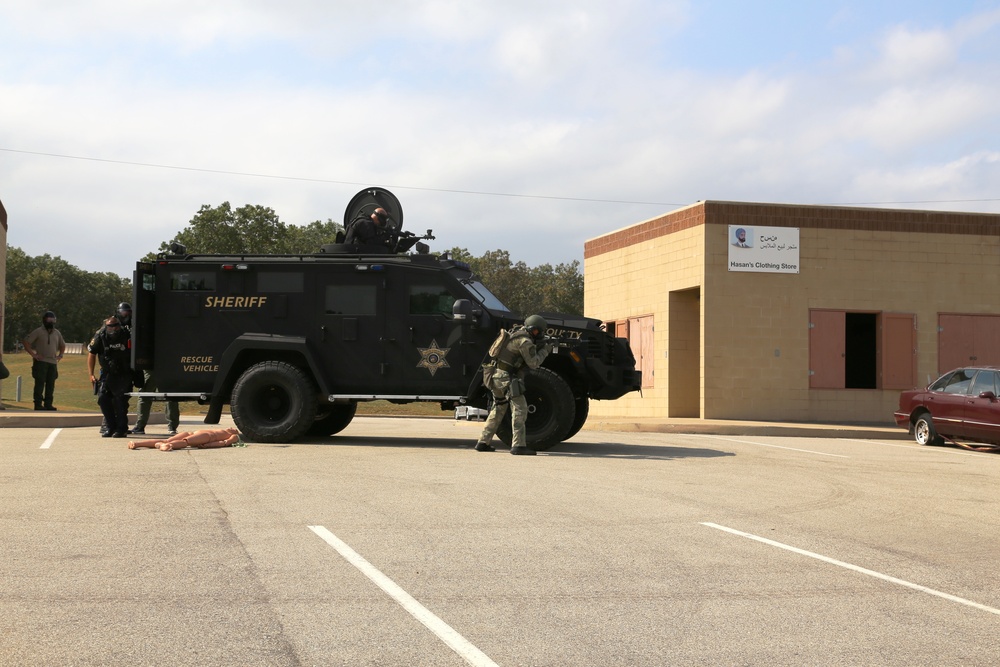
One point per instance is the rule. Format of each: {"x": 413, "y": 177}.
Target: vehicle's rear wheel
{"x": 923, "y": 430}
{"x": 333, "y": 419}
{"x": 273, "y": 401}
{"x": 551, "y": 411}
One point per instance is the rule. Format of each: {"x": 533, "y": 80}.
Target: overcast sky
{"x": 529, "y": 126}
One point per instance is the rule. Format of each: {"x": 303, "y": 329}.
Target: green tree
{"x": 525, "y": 289}
{"x": 80, "y": 299}
{"x": 310, "y": 238}
{"x": 249, "y": 230}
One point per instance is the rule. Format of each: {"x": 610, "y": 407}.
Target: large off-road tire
{"x": 551, "y": 410}
{"x": 580, "y": 418}
{"x": 333, "y": 419}
{"x": 273, "y": 402}
{"x": 924, "y": 432}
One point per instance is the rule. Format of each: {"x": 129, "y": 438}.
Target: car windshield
{"x": 486, "y": 297}
{"x": 958, "y": 382}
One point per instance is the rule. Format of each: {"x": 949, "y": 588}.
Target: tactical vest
{"x": 115, "y": 355}
{"x": 509, "y": 359}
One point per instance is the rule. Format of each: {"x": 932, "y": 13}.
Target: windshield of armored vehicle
{"x": 486, "y": 297}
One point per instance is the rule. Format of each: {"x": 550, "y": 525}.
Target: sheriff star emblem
{"x": 433, "y": 357}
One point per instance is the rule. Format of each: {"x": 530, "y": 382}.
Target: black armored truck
{"x": 292, "y": 343}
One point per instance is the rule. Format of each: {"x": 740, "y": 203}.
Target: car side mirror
{"x": 461, "y": 310}
{"x": 988, "y": 394}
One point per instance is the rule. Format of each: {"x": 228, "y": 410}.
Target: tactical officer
{"x": 372, "y": 230}
{"x": 124, "y": 315}
{"x": 523, "y": 350}
{"x": 111, "y": 346}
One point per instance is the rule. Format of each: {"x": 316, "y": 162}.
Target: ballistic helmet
{"x": 536, "y": 325}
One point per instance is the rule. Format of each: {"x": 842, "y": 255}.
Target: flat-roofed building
{"x": 786, "y": 312}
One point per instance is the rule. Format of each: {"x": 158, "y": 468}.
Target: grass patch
{"x": 74, "y": 393}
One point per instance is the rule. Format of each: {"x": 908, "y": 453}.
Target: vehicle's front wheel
{"x": 923, "y": 430}
{"x": 273, "y": 401}
{"x": 580, "y": 418}
{"x": 332, "y": 420}
{"x": 551, "y": 410}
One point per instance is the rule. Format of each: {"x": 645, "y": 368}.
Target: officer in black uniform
{"x": 124, "y": 315}
{"x": 112, "y": 347}
{"x": 371, "y": 230}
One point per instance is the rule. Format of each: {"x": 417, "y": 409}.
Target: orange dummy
{"x": 204, "y": 439}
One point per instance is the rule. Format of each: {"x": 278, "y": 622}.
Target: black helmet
{"x": 533, "y": 322}
{"x": 47, "y": 314}
{"x": 124, "y": 306}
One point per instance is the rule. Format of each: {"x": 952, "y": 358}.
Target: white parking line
{"x": 921, "y": 448}
{"x": 445, "y": 632}
{"x": 855, "y": 568}
{"x": 52, "y": 438}
{"x": 761, "y": 444}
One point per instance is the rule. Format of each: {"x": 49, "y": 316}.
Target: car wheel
{"x": 923, "y": 430}
{"x": 551, "y": 409}
{"x": 273, "y": 402}
{"x": 333, "y": 420}
{"x": 580, "y": 418}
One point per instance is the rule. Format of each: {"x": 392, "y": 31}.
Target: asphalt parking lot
{"x": 392, "y": 545}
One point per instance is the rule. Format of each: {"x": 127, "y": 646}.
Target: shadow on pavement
{"x": 602, "y": 449}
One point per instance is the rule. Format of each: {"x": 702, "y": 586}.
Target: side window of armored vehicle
{"x": 430, "y": 300}
{"x": 286, "y": 282}
{"x": 193, "y": 281}
{"x": 279, "y": 285}
{"x": 356, "y": 300}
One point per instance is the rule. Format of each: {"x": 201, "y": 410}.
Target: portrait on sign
{"x": 741, "y": 237}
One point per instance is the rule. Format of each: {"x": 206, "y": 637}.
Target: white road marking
{"x": 445, "y": 632}
{"x": 52, "y": 438}
{"x": 760, "y": 444}
{"x": 855, "y": 568}
{"x": 921, "y": 448}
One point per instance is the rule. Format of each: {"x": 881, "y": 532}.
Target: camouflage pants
{"x": 500, "y": 386}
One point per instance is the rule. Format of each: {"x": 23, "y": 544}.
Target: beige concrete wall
{"x": 3, "y": 269}
{"x": 754, "y": 328}
{"x": 637, "y": 280}
{"x": 757, "y": 335}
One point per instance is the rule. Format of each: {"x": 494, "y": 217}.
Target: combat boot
{"x": 522, "y": 451}
{"x": 485, "y": 447}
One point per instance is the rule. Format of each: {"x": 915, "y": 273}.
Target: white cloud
{"x": 566, "y": 100}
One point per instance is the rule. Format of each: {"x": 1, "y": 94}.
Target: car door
{"x": 948, "y": 405}
{"x": 982, "y": 408}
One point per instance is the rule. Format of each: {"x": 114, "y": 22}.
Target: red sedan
{"x": 959, "y": 405}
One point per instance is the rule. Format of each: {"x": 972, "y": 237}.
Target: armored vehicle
{"x": 292, "y": 343}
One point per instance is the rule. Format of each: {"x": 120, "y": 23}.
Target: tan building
{"x": 3, "y": 267}
{"x": 817, "y": 314}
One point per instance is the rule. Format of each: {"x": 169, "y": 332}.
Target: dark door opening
{"x": 861, "y": 351}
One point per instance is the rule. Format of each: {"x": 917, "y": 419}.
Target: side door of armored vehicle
{"x": 427, "y": 349}
{"x": 351, "y": 328}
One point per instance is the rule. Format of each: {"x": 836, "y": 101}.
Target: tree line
{"x": 82, "y": 299}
